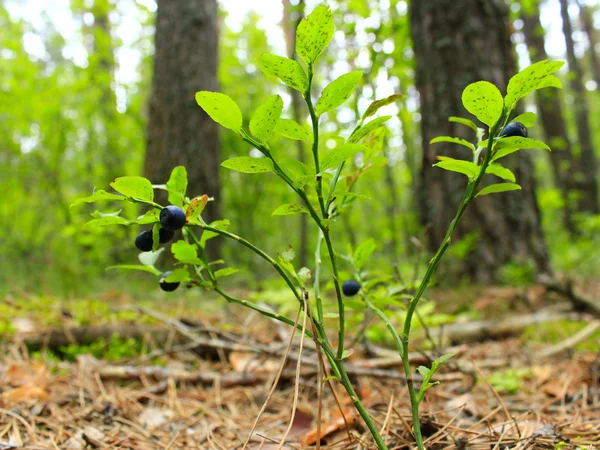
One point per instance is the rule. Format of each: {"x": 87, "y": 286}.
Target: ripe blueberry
{"x": 350, "y": 288}
{"x": 165, "y": 286}
{"x": 514, "y": 129}
{"x": 143, "y": 241}
{"x": 172, "y": 218}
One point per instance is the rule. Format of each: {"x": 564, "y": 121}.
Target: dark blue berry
{"x": 165, "y": 286}
{"x": 514, "y": 129}
{"x": 172, "y": 218}
{"x": 143, "y": 241}
{"x": 350, "y": 288}
{"x": 165, "y": 236}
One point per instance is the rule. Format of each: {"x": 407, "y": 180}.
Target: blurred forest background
{"x": 87, "y": 95}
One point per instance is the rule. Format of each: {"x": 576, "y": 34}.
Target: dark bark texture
{"x": 179, "y": 131}
{"x": 457, "y": 43}
{"x": 589, "y": 195}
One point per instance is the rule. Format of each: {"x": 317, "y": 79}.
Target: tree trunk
{"x": 457, "y": 43}
{"x": 179, "y": 131}
{"x": 292, "y": 15}
{"x": 564, "y": 163}
{"x": 589, "y": 196}
{"x": 587, "y": 23}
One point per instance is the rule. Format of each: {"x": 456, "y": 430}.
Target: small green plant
{"x": 324, "y": 197}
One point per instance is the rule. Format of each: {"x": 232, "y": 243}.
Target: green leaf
{"x": 248, "y": 164}
{"x": 314, "y": 34}
{"x": 467, "y": 168}
{"x": 155, "y": 236}
{"x": 340, "y": 154}
{"x": 293, "y": 130}
{"x": 367, "y": 128}
{"x": 453, "y": 140}
{"x": 347, "y": 353}
{"x": 300, "y": 174}
{"x": 289, "y": 209}
{"x": 287, "y": 70}
{"x": 266, "y": 117}
{"x": 484, "y": 101}
{"x": 424, "y": 371}
{"x": 508, "y": 145}
{"x": 196, "y": 207}
{"x": 337, "y": 92}
{"x": 442, "y": 359}
{"x": 151, "y": 216}
{"x": 98, "y": 195}
{"x": 221, "y": 108}
{"x": 106, "y": 221}
{"x": 179, "y": 275}
{"x": 536, "y": 76}
{"x": 150, "y": 258}
{"x": 374, "y": 107}
{"x": 185, "y": 253}
{"x": 363, "y": 252}
{"x": 225, "y": 272}
{"x": 500, "y": 171}
{"x": 527, "y": 119}
{"x": 465, "y": 122}
{"x": 149, "y": 269}
{"x": 219, "y": 225}
{"x": 499, "y": 187}
{"x": 136, "y": 187}
{"x": 177, "y": 185}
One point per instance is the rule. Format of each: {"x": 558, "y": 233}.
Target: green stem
{"x": 315, "y": 145}
{"x": 433, "y": 264}
{"x": 337, "y": 366}
{"x": 256, "y": 250}
{"x": 316, "y": 287}
{"x": 338, "y": 291}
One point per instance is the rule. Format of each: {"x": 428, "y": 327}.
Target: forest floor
{"x": 141, "y": 378}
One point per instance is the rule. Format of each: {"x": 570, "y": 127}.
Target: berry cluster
{"x": 172, "y": 219}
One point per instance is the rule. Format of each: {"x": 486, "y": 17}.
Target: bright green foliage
{"x": 300, "y": 174}
{"x": 465, "y": 122}
{"x": 289, "y": 209}
{"x": 337, "y": 92}
{"x": 293, "y": 130}
{"x": 428, "y": 373}
{"x": 458, "y": 165}
{"x": 287, "y": 70}
{"x": 178, "y": 275}
{"x": 265, "y": 118}
{"x": 106, "y": 221}
{"x": 528, "y": 119}
{"x": 96, "y": 196}
{"x": 340, "y": 154}
{"x": 177, "y": 186}
{"x": 500, "y": 171}
{"x": 453, "y": 140}
{"x": 135, "y": 187}
{"x": 248, "y": 164}
{"x": 185, "y": 253}
{"x": 363, "y": 252}
{"x": 143, "y": 268}
{"x": 377, "y": 104}
{"x": 532, "y": 78}
{"x": 367, "y": 129}
{"x": 499, "y": 187}
{"x": 314, "y": 34}
{"x": 506, "y": 146}
{"x": 484, "y": 101}
{"x": 221, "y": 108}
